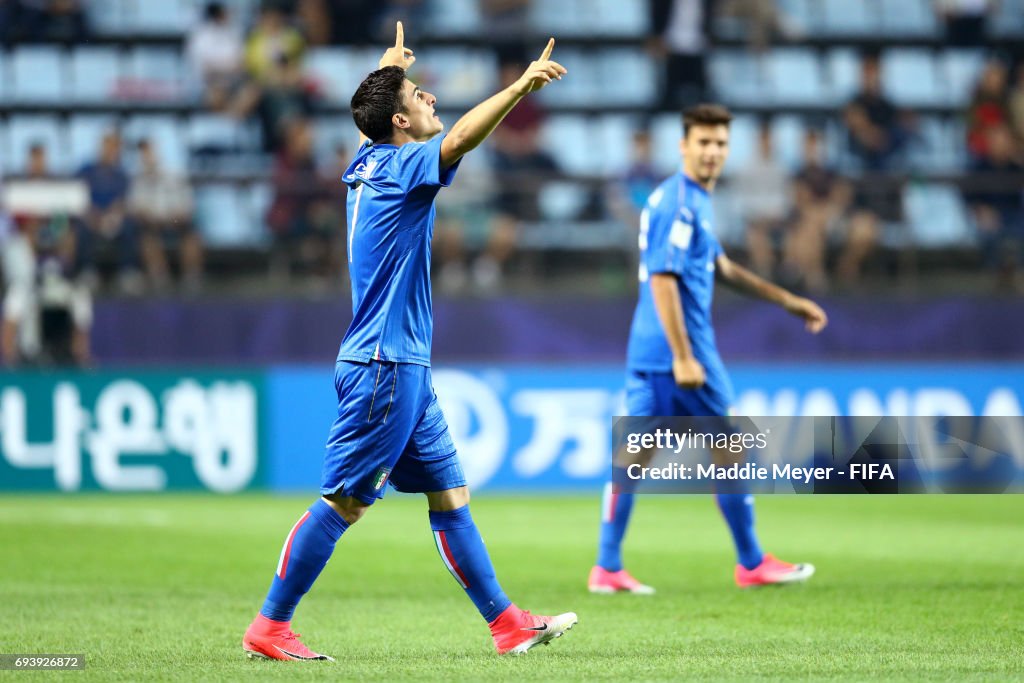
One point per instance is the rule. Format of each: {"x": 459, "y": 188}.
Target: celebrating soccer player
{"x": 673, "y": 365}
{"x": 389, "y": 426}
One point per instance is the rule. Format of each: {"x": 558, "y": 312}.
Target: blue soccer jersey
{"x": 390, "y": 227}
{"x": 676, "y": 236}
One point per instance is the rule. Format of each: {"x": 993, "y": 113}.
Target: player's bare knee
{"x": 450, "y": 499}
{"x": 348, "y": 508}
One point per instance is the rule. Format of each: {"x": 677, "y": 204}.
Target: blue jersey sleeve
{"x": 419, "y": 164}
{"x": 670, "y": 234}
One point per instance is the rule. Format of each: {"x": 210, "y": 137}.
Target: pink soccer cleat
{"x": 267, "y": 639}
{"x": 515, "y": 631}
{"x": 603, "y": 581}
{"x": 772, "y": 571}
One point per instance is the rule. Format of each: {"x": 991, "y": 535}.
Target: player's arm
{"x": 474, "y": 127}
{"x": 688, "y": 372}
{"x": 742, "y": 280}
{"x": 396, "y": 55}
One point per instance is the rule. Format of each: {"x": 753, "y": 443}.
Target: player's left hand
{"x": 399, "y": 55}
{"x": 814, "y": 317}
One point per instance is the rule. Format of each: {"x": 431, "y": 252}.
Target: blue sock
{"x": 465, "y": 555}
{"x": 306, "y": 550}
{"x": 616, "y": 507}
{"x": 738, "y": 510}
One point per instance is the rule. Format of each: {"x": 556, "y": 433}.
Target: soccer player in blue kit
{"x": 390, "y": 428}
{"x": 673, "y": 366}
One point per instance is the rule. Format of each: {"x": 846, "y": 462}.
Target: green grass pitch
{"x": 162, "y": 587}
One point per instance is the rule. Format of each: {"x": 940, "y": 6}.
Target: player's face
{"x": 704, "y": 151}
{"x": 423, "y": 123}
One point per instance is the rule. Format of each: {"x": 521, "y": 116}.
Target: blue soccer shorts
{"x": 651, "y": 394}
{"x": 389, "y": 429}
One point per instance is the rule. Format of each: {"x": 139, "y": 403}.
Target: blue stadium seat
{"x": 628, "y": 77}
{"x": 729, "y": 226}
{"x": 849, "y": 17}
{"x": 5, "y": 77}
{"x": 165, "y": 16}
{"x": 615, "y": 138}
{"x": 24, "y": 130}
{"x": 459, "y": 77}
{"x": 843, "y": 67}
{"x": 795, "y": 76}
{"x": 737, "y": 77}
{"x": 94, "y": 73}
{"x": 162, "y": 67}
{"x": 163, "y": 131}
{"x": 257, "y": 199}
{"x": 1009, "y": 18}
{"x": 108, "y": 17}
{"x": 742, "y": 142}
{"x": 799, "y": 13}
{"x": 909, "y": 18}
{"x": 614, "y": 17}
{"x": 936, "y": 215}
{"x": 330, "y": 132}
{"x": 562, "y": 201}
{"x": 27, "y": 66}
{"x": 570, "y": 141}
{"x": 909, "y": 77}
{"x": 453, "y": 17}
{"x": 333, "y": 70}
{"x": 960, "y": 69}
{"x": 582, "y": 87}
{"x": 222, "y": 217}
{"x": 788, "y": 140}
{"x": 84, "y": 134}
{"x": 562, "y": 18}
{"x": 666, "y": 130}
{"x": 215, "y": 131}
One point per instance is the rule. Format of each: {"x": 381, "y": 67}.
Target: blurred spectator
{"x": 763, "y": 22}
{"x": 161, "y": 204}
{"x": 680, "y": 29}
{"x": 304, "y": 223}
{"x": 507, "y": 22}
{"x": 41, "y": 20}
{"x": 106, "y": 224}
{"x": 964, "y": 20}
{"x": 995, "y": 201}
{"x": 822, "y": 197}
{"x": 876, "y": 132}
{"x": 214, "y": 52}
{"x": 273, "y": 59}
{"x": 1017, "y": 104}
{"x": 46, "y": 313}
{"x": 989, "y": 108}
{"x": 762, "y": 188}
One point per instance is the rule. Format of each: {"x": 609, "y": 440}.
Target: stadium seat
{"x": 909, "y": 18}
{"x": 222, "y": 217}
{"x": 165, "y": 16}
{"x": 158, "y": 73}
{"x": 28, "y": 63}
{"x": 843, "y": 68}
{"x": 453, "y": 17}
{"x": 257, "y": 199}
{"x": 562, "y": 201}
{"x": 615, "y": 137}
{"x": 614, "y": 17}
{"x": 5, "y": 77}
{"x": 909, "y": 77}
{"x": 729, "y": 226}
{"x": 666, "y": 130}
{"x": 84, "y": 134}
{"x": 334, "y": 73}
{"x": 108, "y": 17}
{"x": 960, "y": 68}
{"x": 95, "y": 72}
{"x": 562, "y": 18}
{"x": 163, "y": 131}
{"x": 211, "y": 131}
{"x": 798, "y": 13}
{"x": 742, "y": 142}
{"x": 583, "y": 87}
{"x": 24, "y": 130}
{"x": 795, "y": 76}
{"x": 788, "y": 140}
{"x": 459, "y": 77}
{"x": 936, "y": 215}
{"x": 331, "y": 132}
{"x": 848, "y": 18}
{"x": 1009, "y": 18}
{"x": 737, "y": 77}
{"x": 569, "y": 139}
{"x": 628, "y": 77}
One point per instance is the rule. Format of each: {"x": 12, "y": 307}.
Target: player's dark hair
{"x": 705, "y": 115}
{"x": 377, "y": 99}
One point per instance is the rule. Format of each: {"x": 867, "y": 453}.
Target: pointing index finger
{"x": 399, "y": 35}
{"x": 547, "y": 50}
